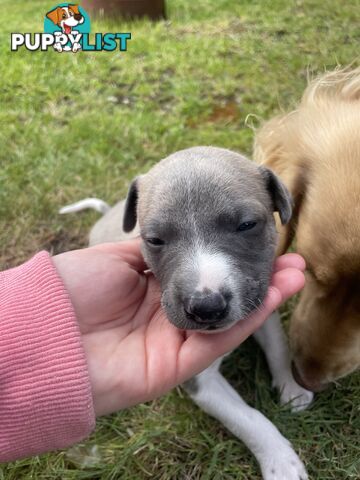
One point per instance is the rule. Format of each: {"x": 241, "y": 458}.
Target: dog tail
{"x": 94, "y": 203}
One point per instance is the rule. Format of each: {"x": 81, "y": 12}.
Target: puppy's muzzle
{"x": 206, "y": 308}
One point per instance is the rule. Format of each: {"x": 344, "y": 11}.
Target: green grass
{"x": 72, "y": 126}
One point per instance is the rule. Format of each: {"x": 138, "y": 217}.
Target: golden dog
{"x": 316, "y": 152}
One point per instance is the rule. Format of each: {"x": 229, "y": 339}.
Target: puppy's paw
{"x": 291, "y": 393}
{"x": 282, "y": 463}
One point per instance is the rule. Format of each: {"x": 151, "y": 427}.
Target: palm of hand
{"x": 129, "y": 344}
{"x": 133, "y": 352}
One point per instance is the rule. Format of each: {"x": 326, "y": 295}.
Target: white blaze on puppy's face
{"x": 212, "y": 269}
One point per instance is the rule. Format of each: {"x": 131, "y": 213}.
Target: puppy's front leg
{"x": 214, "y": 394}
{"x": 271, "y": 338}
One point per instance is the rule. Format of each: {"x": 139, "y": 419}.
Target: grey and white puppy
{"x": 205, "y": 216}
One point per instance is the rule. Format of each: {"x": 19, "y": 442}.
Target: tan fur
{"x": 316, "y": 152}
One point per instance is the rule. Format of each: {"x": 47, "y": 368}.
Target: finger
{"x": 288, "y": 281}
{"x": 128, "y": 250}
{"x": 200, "y": 350}
{"x": 289, "y": 260}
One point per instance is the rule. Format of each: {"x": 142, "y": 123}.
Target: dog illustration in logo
{"x": 66, "y": 18}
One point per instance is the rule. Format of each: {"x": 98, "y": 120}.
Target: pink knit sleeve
{"x": 45, "y": 392}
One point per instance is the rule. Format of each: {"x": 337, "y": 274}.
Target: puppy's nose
{"x": 78, "y": 17}
{"x": 206, "y": 307}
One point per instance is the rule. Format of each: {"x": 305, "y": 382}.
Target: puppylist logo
{"x": 67, "y": 29}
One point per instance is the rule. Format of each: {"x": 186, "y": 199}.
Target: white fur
{"x": 272, "y": 340}
{"x": 94, "y": 203}
{"x": 213, "y": 270}
{"x": 214, "y": 394}
{"x": 277, "y": 459}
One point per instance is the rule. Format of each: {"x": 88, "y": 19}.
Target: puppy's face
{"x": 206, "y": 220}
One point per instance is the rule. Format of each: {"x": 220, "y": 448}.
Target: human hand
{"x": 134, "y": 353}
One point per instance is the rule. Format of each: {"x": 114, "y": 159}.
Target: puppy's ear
{"x": 130, "y": 215}
{"x": 280, "y": 195}
{"x": 53, "y": 15}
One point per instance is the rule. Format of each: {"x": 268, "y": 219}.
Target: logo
{"x": 67, "y": 22}
{"x": 67, "y": 29}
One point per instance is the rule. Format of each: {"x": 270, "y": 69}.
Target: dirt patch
{"x": 229, "y": 111}
{"x": 224, "y": 112}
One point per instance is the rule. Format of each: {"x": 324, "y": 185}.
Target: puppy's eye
{"x": 156, "y": 242}
{"x": 246, "y": 226}
{"x": 64, "y": 15}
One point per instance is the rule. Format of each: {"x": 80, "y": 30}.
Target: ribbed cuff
{"x": 45, "y": 392}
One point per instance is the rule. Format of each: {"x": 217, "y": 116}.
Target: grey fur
{"x": 109, "y": 227}
{"x": 196, "y": 199}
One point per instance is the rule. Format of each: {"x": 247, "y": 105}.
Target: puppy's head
{"x": 206, "y": 220}
{"x": 66, "y": 17}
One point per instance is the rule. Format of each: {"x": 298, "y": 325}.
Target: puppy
{"x": 316, "y": 152}
{"x": 66, "y": 18}
{"x": 205, "y": 216}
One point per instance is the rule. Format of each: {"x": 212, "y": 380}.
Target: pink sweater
{"x": 45, "y": 392}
